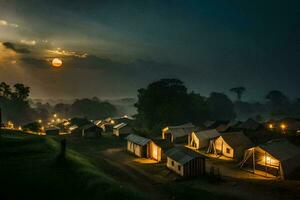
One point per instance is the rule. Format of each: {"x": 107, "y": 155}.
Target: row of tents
{"x": 277, "y": 156}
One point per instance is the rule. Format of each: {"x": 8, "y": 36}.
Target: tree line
{"x": 18, "y": 108}
{"x": 168, "y": 102}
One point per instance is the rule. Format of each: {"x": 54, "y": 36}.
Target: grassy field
{"x": 29, "y": 167}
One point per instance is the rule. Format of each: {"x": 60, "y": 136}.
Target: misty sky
{"x": 112, "y": 48}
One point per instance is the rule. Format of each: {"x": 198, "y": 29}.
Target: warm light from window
{"x": 271, "y": 126}
{"x": 283, "y": 126}
{"x": 268, "y": 160}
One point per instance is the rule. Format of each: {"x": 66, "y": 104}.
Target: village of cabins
{"x": 185, "y": 148}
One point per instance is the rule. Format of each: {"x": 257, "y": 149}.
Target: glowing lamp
{"x": 271, "y": 126}
{"x": 283, "y": 126}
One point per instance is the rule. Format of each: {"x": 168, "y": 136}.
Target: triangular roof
{"x": 182, "y": 155}
{"x": 281, "y": 149}
{"x": 207, "y": 134}
{"x": 163, "y": 143}
{"x": 137, "y": 139}
{"x": 121, "y": 125}
{"x": 237, "y": 140}
{"x": 181, "y": 130}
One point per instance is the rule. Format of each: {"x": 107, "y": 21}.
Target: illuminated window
{"x": 228, "y": 150}
{"x": 268, "y": 160}
{"x": 271, "y": 126}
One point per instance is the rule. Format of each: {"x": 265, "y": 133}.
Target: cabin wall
{"x": 180, "y": 140}
{"x": 52, "y": 132}
{"x": 175, "y": 166}
{"x": 155, "y": 152}
{"x": 195, "y": 167}
{"x": 134, "y": 148}
{"x": 138, "y": 150}
{"x": 223, "y": 148}
{"x": 116, "y": 132}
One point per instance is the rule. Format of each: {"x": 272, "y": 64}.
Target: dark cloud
{"x": 16, "y": 48}
{"x": 35, "y": 62}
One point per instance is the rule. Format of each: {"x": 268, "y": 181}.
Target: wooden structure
{"x": 231, "y": 145}
{"x": 185, "y": 162}
{"x": 138, "y": 145}
{"x": 201, "y": 139}
{"x": 91, "y": 130}
{"x": 277, "y": 157}
{"x": 122, "y": 130}
{"x": 157, "y": 149}
{"x": 52, "y": 130}
{"x": 178, "y": 134}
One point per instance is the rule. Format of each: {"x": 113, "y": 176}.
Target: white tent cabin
{"x": 185, "y": 162}
{"x": 157, "y": 149}
{"x": 122, "y": 130}
{"x": 277, "y": 157}
{"x": 231, "y": 145}
{"x": 138, "y": 145}
{"x": 178, "y": 134}
{"x": 201, "y": 139}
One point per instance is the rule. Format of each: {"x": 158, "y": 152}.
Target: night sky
{"x": 112, "y": 48}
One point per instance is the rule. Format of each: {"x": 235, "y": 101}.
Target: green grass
{"x": 30, "y": 168}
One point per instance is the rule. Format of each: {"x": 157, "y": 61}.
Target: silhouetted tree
{"x": 278, "y": 102}
{"x": 5, "y": 90}
{"x": 239, "y": 92}
{"x": 92, "y": 109}
{"x": 21, "y": 92}
{"x": 163, "y": 102}
{"x": 167, "y": 102}
{"x": 220, "y": 107}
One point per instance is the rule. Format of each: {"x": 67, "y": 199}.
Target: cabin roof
{"x": 88, "y": 126}
{"x": 137, "y": 139}
{"x": 52, "y": 128}
{"x": 181, "y": 130}
{"x": 163, "y": 143}
{"x": 281, "y": 149}
{"x": 207, "y": 134}
{"x": 121, "y": 125}
{"x": 237, "y": 140}
{"x": 182, "y": 155}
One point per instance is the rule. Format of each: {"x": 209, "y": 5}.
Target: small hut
{"x": 138, "y": 145}
{"x": 231, "y": 145}
{"x": 157, "y": 149}
{"x": 122, "y": 130}
{"x": 185, "y": 162}
{"x": 52, "y": 130}
{"x": 178, "y": 134}
{"x": 91, "y": 130}
{"x": 201, "y": 139}
{"x": 277, "y": 157}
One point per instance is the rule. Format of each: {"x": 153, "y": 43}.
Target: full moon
{"x": 56, "y": 62}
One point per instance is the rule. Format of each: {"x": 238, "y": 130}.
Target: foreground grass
{"x": 29, "y": 167}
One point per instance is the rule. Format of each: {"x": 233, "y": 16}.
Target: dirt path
{"x": 121, "y": 162}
